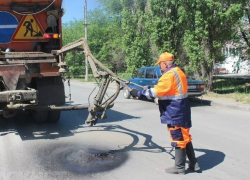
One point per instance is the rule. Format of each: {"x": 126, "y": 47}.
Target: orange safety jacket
{"x": 173, "y": 98}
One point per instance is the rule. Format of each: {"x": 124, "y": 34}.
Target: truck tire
{"x": 40, "y": 117}
{"x": 126, "y": 93}
{"x": 54, "y": 116}
{"x": 9, "y": 113}
{"x": 51, "y": 92}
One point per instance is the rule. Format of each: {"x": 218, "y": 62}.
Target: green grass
{"x": 226, "y": 86}
{"x": 245, "y": 98}
{"x": 237, "y": 89}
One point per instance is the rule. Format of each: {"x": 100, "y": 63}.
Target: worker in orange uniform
{"x": 174, "y": 107}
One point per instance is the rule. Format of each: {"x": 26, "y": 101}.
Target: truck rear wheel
{"x": 40, "y": 116}
{"x": 54, "y": 116}
{"x": 9, "y": 113}
{"x": 51, "y": 92}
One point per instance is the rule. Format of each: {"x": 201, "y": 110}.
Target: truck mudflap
{"x": 11, "y": 73}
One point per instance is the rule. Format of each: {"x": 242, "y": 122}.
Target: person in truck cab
{"x": 174, "y": 111}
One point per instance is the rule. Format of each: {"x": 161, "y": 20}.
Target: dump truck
{"x": 32, "y": 63}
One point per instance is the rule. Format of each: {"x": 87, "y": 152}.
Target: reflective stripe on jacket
{"x": 173, "y": 99}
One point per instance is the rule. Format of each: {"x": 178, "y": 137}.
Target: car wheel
{"x": 126, "y": 94}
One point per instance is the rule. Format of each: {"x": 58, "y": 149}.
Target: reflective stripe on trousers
{"x": 179, "y": 136}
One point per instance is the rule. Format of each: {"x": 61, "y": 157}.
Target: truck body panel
{"x": 8, "y": 8}
{"x": 32, "y": 63}
{"x": 27, "y": 65}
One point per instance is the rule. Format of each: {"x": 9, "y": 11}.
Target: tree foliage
{"x": 127, "y": 34}
{"x": 73, "y": 31}
{"x": 210, "y": 24}
{"x": 103, "y": 39}
{"x": 241, "y": 37}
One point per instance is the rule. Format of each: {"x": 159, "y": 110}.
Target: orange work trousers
{"x": 179, "y": 136}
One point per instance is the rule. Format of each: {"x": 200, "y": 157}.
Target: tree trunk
{"x": 210, "y": 81}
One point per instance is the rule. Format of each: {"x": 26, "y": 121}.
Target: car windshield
{"x": 150, "y": 73}
{"x": 140, "y": 73}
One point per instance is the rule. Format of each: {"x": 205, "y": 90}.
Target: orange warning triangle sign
{"x": 29, "y": 29}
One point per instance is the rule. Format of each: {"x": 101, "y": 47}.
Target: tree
{"x": 242, "y": 34}
{"x": 133, "y": 33}
{"x": 73, "y": 31}
{"x": 210, "y": 24}
{"x": 135, "y": 42}
{"x": 103, "y": 39}
{"x": 166, "y": 26}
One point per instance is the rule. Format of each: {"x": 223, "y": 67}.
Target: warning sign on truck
{"x": 29, "y": 29}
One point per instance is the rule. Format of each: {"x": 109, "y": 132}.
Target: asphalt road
{"x": 130, "y": 144}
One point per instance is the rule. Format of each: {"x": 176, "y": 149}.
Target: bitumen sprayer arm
{"x": 98, "y": 109}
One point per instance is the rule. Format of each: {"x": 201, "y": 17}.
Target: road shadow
{"x": 70, "y": 121}
{"x": 87, "y": 158}
{"x": 68, "y": 126}
{"x": 195, "y": 102}
{"x": 148, "y": 144}
{"x": 209, "y": 159}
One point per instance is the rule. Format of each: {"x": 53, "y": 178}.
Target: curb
{"x": 213, "y": 103}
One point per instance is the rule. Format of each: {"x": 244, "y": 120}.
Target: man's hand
{"x": 134, "y": 92}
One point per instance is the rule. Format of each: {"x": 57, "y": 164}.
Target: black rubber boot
{"x": 180, "y": 160}
{"x": 193, "y": 164}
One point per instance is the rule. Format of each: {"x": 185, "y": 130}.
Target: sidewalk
{"x": 233, "y": 76}
{"x": 222, "y": 102}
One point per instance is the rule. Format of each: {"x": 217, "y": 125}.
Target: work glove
{"x": 134, "y": 92}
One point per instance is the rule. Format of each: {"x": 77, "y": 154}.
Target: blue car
{"x": 149, "y": 76}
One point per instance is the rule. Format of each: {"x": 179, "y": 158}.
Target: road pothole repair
{"x": 90, "y": 160}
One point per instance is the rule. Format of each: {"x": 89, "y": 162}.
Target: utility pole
{"x": 86, "y": 34}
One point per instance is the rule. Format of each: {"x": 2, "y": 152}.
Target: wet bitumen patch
{"x": 92, "y": 160}
{"x": 80, "y": 159}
